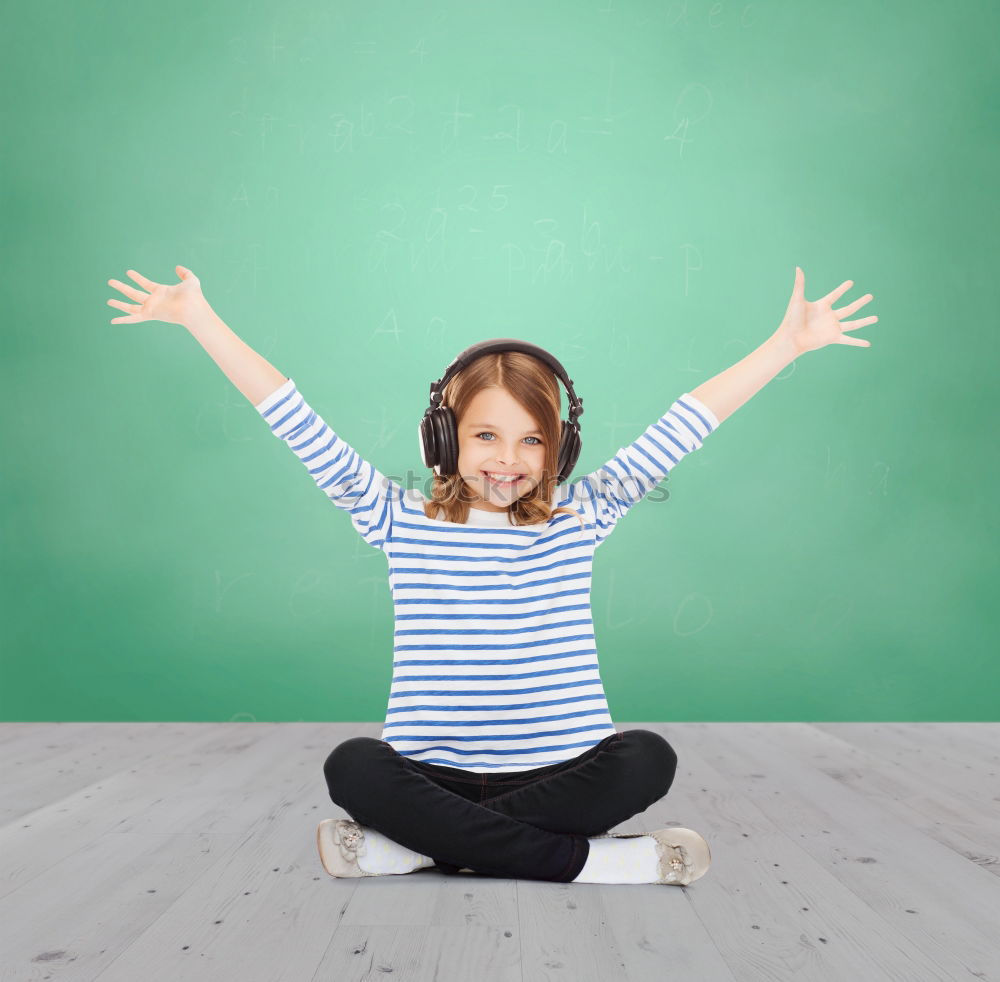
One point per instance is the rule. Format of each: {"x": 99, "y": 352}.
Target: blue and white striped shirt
{"x": 495, "y": 661}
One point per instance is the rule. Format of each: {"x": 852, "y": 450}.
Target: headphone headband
{"x": 470, "y": 354}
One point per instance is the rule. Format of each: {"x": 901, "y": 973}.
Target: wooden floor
{"x": 186, "y": 852}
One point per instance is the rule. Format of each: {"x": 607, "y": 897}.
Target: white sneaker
{"x": 339, "y": 841}
{"x": 684, "y": 854}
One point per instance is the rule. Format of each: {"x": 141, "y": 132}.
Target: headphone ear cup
{"x": 425, "y": 436}
{"x": 441, "y": 425}
{"x": 569, "y": 450}
{"x": 431, "y": 440}
{"x": 448, "y": 433}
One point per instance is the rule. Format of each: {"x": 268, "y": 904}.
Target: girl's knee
{"x": 347, "y": 762}
{"x": 658, "y": 759}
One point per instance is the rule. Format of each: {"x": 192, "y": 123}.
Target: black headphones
{"x": 438, "y": 431}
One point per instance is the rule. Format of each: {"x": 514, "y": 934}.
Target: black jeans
{"x": 529, "y": 825}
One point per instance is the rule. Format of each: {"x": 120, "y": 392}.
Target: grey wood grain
{"x": 187, "y": 851}
{"x": 928, "y": 912}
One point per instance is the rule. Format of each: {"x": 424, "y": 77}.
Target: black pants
{"x": 529, "y": 825}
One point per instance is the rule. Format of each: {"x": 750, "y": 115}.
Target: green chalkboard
{"x": 365, "y": 189}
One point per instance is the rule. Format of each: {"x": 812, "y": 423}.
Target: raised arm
{"x": 805, "y": 327}
{"x": 184, "y": 303}
{"x": 346, "y": 478}
{"x": 250, "y": 372}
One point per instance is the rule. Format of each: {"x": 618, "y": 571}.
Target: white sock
{"x": 381, "y": 855}
{"x": 621, "y": 861}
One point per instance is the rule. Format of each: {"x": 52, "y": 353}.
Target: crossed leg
{"x": 536, "y": 831}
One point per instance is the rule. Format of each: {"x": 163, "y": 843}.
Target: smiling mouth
{"x": 509, "y": 481}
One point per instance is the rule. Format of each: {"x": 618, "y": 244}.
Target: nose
{"x": 505, "y": 455}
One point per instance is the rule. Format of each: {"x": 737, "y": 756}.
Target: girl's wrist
{"x": 198, "y": 315}
{"x": 783, "y": 347}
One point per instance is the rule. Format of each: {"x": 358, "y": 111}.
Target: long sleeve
{"x": 635, "y": 470}
{"x": 346, "y": 478}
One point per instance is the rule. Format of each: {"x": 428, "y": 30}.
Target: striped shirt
{"x": 495, "y": 661}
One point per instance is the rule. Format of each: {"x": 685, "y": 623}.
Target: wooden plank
{"x": 968, "y": 827}
{"x": 76, "y": 918}
{"x": 947, "y": 745}
{"x": 54, "y": 764}
{"x": 928, "y": 909}
{"x": 473, "y": 951}
{"x": 201, "y": 864}
{"x": 33, "y": 741}
{"x": 13, "y": 734}
{"x": 184, "y": 860}
{"x": 214, "y": 785}
{"x": 268, "y": 911}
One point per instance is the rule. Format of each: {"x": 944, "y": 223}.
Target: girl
{"x": 498, "y": 753}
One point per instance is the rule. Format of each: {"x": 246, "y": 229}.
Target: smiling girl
{"x": 498, "y": 753}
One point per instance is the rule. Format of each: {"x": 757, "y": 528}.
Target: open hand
{"x": 173, "y": 303}
{"x": 809, "y": 325}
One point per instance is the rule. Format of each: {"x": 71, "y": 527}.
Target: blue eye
{"x": 537, "y": 443}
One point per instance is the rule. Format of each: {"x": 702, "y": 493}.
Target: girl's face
{"x": 498, "y": 436}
